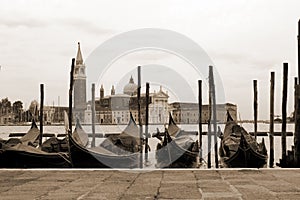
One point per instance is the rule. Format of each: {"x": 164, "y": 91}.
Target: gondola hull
{"x": 88, "y": 158}
{"x": 174, "y": 156}
{"x": 239, "y": 149}
{"x": 245, "y": 158}
{"x": 26, "y": 159}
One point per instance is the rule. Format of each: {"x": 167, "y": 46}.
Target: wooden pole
{"x": 271, "y": 136}
{"x": 139, "y": 116}
{"x": 297, "y": 109}
{"x": 71, "y": 95}
{"x": 298, "y": 38}
{"x": 93, "y": 115}
{"x": 146, "y": 122}
{"x": 255, "y": 105}
{"x": 41, "y": 114}
{"x": 209, "y": 121}
{"x": 284, "y": 102}
{"x": 214, "y": 116}
{"x": 200, "y": 118}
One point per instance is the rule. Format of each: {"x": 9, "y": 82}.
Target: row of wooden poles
{"x": 212, "y": 115}
{"x": 284, "y": 106}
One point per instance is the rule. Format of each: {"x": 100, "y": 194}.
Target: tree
{"x": 17, "y": 109}
{"x": 33, "y": 109}
{"x": 5, "y": 106}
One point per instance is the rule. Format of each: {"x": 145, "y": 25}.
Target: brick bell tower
{"x": 79, "y": 87}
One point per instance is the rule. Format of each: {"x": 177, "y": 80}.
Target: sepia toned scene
{"x": 150, "y": 100}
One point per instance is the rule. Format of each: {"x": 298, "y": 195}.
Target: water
{"x": 5, "y": 130}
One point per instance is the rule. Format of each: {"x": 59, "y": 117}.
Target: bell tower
{"x": 79, "y": 86}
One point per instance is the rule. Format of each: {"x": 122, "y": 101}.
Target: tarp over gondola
{"x": 239, "y": 149}
{"x": 24, "y": 155}
{"x": 176, "y": 150}
{"x": 109, "y": 155}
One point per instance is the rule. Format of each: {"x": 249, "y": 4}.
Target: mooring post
{"x": 255, "y": 105}
{"x": 200, "y": 118}
{"x": 139, "y": 116}
{"x": 284, "y": 102}
{"x": 271, "y": 135}
{"x": 147, "y": 122}
{"x": 297, "y": 127}
{"x": 298, "y": 38}
{"x": 41, "y": 114}
{"x": 71, "y": 95}
{"x": 297, "y": 109}
{"x": 209, "y": 132}
{"x": 93, "y": 116}
{"x": 214, "y": 114}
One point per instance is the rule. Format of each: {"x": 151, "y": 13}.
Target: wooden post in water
{"x": 139, "y": 116}
{"x": 200, "y": 118}
{"x": 71, "y": 95}
{"x": 93, "y": 116}
{"x": 41, "y": 114}
{"x": 297, "y": 109}
{"x": 255, "y": 108}
{"x": 209, "y": 132}
{"x": 284, "y": 100}
{"x": 214, "y": 113}
{"x": 146, "y": 123}
{"x": 298, "y": 38}
{"x": 271, "y": 136}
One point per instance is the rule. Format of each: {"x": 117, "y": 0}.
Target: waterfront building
{"x": 187, "y": 113}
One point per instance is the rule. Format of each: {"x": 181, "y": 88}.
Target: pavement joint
{"x": 132, "y": 182}
{"x": 160, "y": 184}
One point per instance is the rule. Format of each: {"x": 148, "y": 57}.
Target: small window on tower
{"x": 82, "y": 71}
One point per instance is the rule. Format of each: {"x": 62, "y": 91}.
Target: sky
{"x": 246, "y": 40}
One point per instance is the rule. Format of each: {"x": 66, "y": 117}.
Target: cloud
{"x": 85, "y": 25}
{"x": 22, "y": 21}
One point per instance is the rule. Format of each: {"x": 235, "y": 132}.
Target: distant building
{"x": 113, "y": 108}
{"x": 188, "y": 113}
{"x": 79, "y": 87}
{"x": 6, "y": 118}
{"x": 54, "y": 114}
{"x": 158, "y": 107}
{"x": 116, "y": 108}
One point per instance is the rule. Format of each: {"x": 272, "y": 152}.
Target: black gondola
{"x": 26, "y": 155}
{"x": 177, "y": 149}
{"x": 239, "y": 149}
{"x": 113, "y": 153}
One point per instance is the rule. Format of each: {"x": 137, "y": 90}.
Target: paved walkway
{"x": 158, "y": 184}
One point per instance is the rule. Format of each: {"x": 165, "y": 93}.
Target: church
{"x": 116, "y": 108}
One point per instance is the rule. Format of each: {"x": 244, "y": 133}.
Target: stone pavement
{"x": 157, "y": 184}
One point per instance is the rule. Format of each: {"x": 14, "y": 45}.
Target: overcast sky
{"x": 245, "y": 39}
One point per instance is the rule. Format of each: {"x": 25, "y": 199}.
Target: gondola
{"x": 177, "y": 149}
{"x": 239, "y": 149}
{"x": 26, "y": 155}
{"x": 111, "y": 154}
{"x": 30, "y": 138}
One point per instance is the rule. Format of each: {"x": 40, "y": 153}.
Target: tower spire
{"x": 79, "y": 60}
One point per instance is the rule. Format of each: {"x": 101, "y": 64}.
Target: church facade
{"x": 116, "y": 108}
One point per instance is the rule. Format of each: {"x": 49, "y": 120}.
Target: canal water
{"x": 5, "y": 130}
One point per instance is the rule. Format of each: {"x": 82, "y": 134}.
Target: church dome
{"x": 130, "y": 88}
